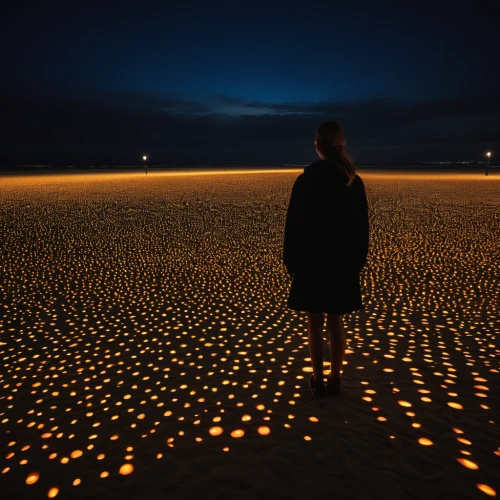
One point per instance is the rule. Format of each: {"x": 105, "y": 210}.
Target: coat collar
{"x": 322, "y": 167}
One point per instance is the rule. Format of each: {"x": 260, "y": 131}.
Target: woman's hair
{"x": 330, "y": 142}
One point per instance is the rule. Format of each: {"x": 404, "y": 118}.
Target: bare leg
{"x": 315, "y": 336}
{"x": 335, "y": 327}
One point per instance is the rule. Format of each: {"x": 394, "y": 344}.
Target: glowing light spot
{"x": 76, "y": 454}
{"x": 404, "y": 403}
{"x": 126, "y": 469}
{"x": 53, "y": 492}
{"x": 425, "y": 442}
{"x": 455, "y": 405}
{"x": 215, "y": 431}
{"x": 32, "y": 478}
{"x": 246, "y": 418}
{"x": 488, "y": 490}
{"x": 467, "y": 463}
{"x": 238, "y": 433}
{"x": 104, "y": 474}
{"x": 77, "y": 482}
{"x": 481, "y": 387}
{"x": 264, "y": 430}
{"x": 307, "y": 438}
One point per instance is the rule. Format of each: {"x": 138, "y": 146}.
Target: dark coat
{"x": 327, "y": 226}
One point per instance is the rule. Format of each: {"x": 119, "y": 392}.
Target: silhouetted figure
{"x": 325, "y": 248}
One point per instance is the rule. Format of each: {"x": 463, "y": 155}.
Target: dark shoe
{"x": 317, "y": 388}
{"x": 333, "y": 383}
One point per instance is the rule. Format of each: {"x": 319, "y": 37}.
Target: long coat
{"x": 326, "y": 237}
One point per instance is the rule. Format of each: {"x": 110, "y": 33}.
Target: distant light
{"x": 488, "y": 154}
{"x": 144, "y": 158}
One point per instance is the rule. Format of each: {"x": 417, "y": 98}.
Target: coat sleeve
{"x": 294, "y": 227}
{"x": 363, "y": 227}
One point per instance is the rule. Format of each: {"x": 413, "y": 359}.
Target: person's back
{"x": 325, "y": 248}
{"x": 335, "y": 230}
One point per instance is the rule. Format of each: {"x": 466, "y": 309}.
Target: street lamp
{"x": 488, "y": 154}
{"x": 144, "y": 158}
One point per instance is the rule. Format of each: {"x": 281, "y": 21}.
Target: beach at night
{"x": 147, "y": 350}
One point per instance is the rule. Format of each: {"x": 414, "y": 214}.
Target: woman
{"x": 325, "y": 248}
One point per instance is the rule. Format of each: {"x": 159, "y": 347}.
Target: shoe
{"x": 317, "y": 388}
{"x": 333, "y": 383}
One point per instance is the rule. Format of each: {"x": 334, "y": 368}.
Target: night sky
{"x": 221, "y": 83}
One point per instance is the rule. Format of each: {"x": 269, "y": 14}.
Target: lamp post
{"x": 488, "y": 154}
{"x": 144, "y": 158}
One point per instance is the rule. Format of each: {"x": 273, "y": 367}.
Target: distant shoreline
{"x": 420, "y": 167}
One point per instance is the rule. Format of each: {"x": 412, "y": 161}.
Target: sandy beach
{"x": 147, "y": 351}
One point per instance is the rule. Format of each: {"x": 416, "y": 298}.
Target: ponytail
{"x": 331, "y": 143}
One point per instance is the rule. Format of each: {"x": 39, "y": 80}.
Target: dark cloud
{"x": 400, "y": 111}
{"x": 93, "y": 126}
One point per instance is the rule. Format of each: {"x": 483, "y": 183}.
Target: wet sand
{"x": 147, "y": 351}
